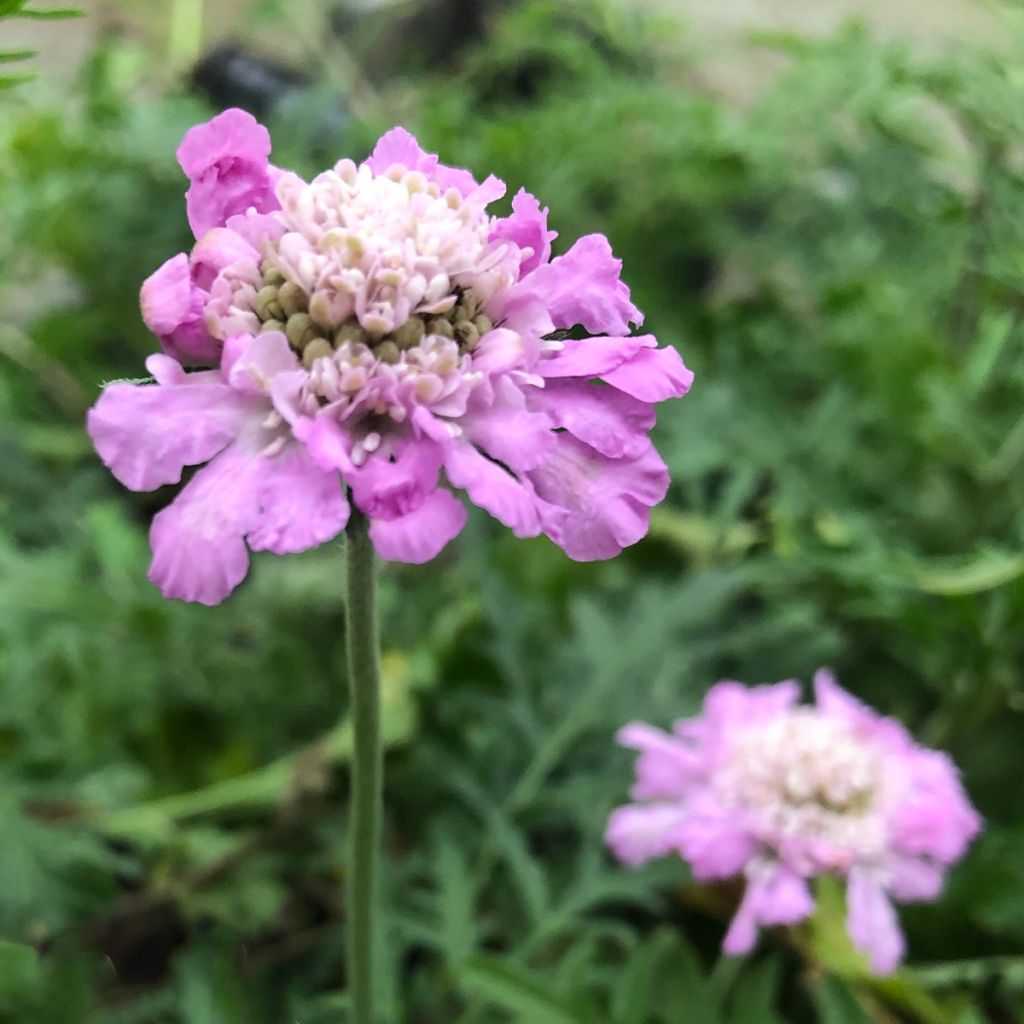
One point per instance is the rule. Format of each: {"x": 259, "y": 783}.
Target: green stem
{"x": 367, "y": 765}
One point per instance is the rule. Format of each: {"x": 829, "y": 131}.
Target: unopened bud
{"x": 292, "y": 298}
{"x": 266, "y": 305}
{"x": 467, "y": 335}
{"x": 318, "y": 348}
{"x": 387, "y": 352}
{"x": 301, "y": 330}
{"x": 410, "y": 334}
{"x": 271, "y": 274}
{"x": 483, "y": 324}
{"x": 350, "y": 331}
{"x": 442, "y": 327}
{"x": 272, "y": 325}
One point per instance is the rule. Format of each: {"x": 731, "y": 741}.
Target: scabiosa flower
{"x": 760, "y": 787}
{"x": 377, "y": 328}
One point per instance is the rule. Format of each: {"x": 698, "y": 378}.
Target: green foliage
{"x": 21, "y": 9}
{"x": 840, "y": 262}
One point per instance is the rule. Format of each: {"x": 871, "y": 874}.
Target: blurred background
{"x": 822, "y": 206}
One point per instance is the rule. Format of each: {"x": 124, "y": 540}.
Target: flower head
{"x": 376, "y": 332}
{"x": 761, "y": 787}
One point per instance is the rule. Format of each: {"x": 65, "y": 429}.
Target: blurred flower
{"x": 377, "y": 326}
{"x": 777, "y": 792}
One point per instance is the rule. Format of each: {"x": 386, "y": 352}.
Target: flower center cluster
{"x": 370, "y": 271}
{"x": 805, "y": 777}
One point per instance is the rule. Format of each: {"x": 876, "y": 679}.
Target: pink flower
{"x": 427, "y": 351}
{"x": 778, "y": 793}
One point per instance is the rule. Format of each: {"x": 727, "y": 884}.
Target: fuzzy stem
{"x": 367, "y": 766}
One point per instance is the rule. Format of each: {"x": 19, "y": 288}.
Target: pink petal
{"x": 914, "y": 879}
{"x": 774, "y": 896}
{"x": 233, "y": 133}
{"x": 666, "y": 766}
{"x": 872, "y": 923}
{"x": 492, "y": 488}
{"x": 608, "y": 501}
{"x": 611, "y": 422}
{"x": 199, "y": 551}
{"x": 398, "y": 146}
{"x": 388, "y": 490}
{"x": 638, "y": 834}
{"x": 217, "y": 249}
{"x": 714, "y": 839}
{"x": 583, "y": 287}
{"x": 300, "y": 505}
{"x": 172, "y": 308}
{"x": 329, "y": 446}
{"x": 528, "y": 229}
{"x": 592, "y": 357}
{"x": 226, "y": 162}
{"x": 500, "y": 351}
{"x": 146, "y": 434}
{"x": 517, "y": 437}
{"x": 420, "y": 535}
{"x": 166, "y": 297}
{"x": 256, "y": 361}
{"x": 652, "y": 375}
{"x": 783, "y": 898}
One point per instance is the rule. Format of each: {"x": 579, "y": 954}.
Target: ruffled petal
{"x": 914, "y": 879}
{"x": 253, "y": 362}
{"x": 611, "y": 422}
{"x": 329, "y": 446}
{"x": 638, "y": 834}
{"x": 226, "y": 163}
{"x": 584, "y": 287}
{"x": 420, "y": 535}
{"x": 198, "y": 542}
{"x": 232, "y": 134}
{"x": 666, "y": 766}
{"x": 516, "y": 437}
{"x": 714, "y": 839}
{"x": 172, "y": 308}
{"x": 592, "y": 357}
{"x": 383, "y": 489}
{"x": 608, "y": 501}
{"x": 500, "y": 351}
{"x": 493, "y": 489}
{"x": 527, "y": 228}
{"x": 774, "y": 896}
{"x": 399, "y": 146}
{"x": 652, "y": 375}
{"x": 146, "y": 434}
{"x": 872, "y": 922}
{"x": 300, "y": 505}
{"x": 217, "y": 249}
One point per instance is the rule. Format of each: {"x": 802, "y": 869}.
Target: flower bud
{"x": 301, "y": 330}
{"x": 410, "y": 334}
{"x": 442, "y": 327}
{"x": 318, "y": 348}
{"x": 292, "y": 298}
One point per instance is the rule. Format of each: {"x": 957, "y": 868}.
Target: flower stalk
{"x": 363, "y": 643}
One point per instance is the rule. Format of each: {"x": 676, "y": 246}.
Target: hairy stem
{"x": 367, "y": 766}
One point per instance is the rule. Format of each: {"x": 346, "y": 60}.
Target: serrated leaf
{"x": 835, "y": 1003}
{"x": 752, "y": 1000}
{"x": 19, "y": 971}
{"x": 516, "y": 990}
{"x": 983, "y": 571}
{"x": 51, "y": 13}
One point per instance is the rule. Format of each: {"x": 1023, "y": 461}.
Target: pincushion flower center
{"x": 373, "y": 270}
{"x": 808, "y": 777}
